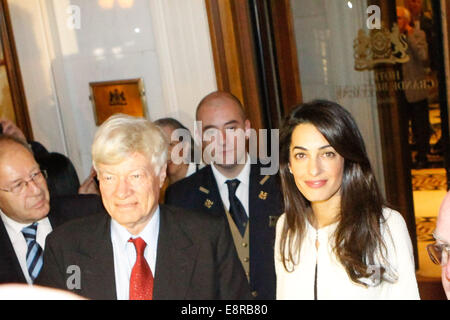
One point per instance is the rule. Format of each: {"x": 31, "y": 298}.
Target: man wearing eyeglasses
{"x": 25, "y": 221}
{"x": 439, "y": 251}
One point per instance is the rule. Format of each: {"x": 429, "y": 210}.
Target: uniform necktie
{"x": 141, "y": 280}
{"x": 237, "y": 210}
{"x": 34, "y": 251}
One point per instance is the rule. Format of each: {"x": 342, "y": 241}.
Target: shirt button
{"x": 246, "y": 259}
{"x": 244, "y": 244}
{"x": 255, "y": 293}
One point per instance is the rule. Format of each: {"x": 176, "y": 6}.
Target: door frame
{"x": 13, "y": 71}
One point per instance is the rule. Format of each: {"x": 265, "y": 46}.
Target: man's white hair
{"x": 122, "y": 135}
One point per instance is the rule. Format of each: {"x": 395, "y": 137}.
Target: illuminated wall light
{"x": 350, "y": 4}
{"x": 137, "y": 30}
{"x": 106, "y": 4}
{"x": 116, "y": 50}
{"x": 99, "y": 52}
{"x": 125, "y": 4}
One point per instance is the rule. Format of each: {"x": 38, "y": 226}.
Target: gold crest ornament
{"x": 381, "y": 46}
{"x": 208, "y": 203}
{"x": 263, "y": 195}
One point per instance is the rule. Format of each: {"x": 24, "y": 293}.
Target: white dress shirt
{"x": 333, "y": 281}
{"x": 125, "y": 252}
{"x": 18, "y": 241}
{"x": 242, "y": 192}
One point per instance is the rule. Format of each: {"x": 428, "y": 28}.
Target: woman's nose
{"x": 314, "y": 166}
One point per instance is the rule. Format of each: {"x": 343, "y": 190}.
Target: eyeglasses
{"x": 438, "y": 253}
{"x": 20, "y": 186}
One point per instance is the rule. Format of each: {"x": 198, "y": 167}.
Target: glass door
{"x": 382, "y": 60}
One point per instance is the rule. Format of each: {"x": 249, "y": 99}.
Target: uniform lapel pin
{"x": 208, "y": 203}
{"x": 263, "y": 180}
{"x": 262, "y": 195}
{"x": 204, "y": 190}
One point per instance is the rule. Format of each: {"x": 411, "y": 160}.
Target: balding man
{"x": 27, "y": 216}
{"x": 233, "y": 186}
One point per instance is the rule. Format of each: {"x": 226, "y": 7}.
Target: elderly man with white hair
{"x": 140, "y": 249}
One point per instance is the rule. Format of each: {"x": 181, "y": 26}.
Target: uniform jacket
{"x": 200, "y": 192}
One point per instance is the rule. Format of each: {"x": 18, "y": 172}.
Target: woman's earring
{"x": 290, "y": 170}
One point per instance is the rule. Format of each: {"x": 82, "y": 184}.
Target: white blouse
{"x": 332, "y": 279}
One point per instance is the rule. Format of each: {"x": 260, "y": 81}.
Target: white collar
{"x": 148, "y": 234}
{"x": 243, "y": 176}
{"x": 15, "y": 225}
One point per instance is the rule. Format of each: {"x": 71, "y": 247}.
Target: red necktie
{"x": 141, "y": 280}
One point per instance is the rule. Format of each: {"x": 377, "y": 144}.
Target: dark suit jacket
{"x": 195, "y": 258}
{"x": 62, "y": 210}
{"x": 200, "y": 192}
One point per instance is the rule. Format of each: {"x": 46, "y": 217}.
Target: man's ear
{"x": 162, "y": 175}
{"x": 247, "y": 126}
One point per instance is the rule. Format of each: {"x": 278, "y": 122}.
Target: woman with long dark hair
{"x": 336, "y": 239}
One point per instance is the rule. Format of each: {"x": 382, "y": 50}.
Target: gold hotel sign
{"x": 381, "y": 46}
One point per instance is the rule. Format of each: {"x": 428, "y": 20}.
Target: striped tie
{"x": 34, "y": 252}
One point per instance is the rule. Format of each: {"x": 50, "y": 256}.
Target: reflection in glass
{"x": 420, "y": 100}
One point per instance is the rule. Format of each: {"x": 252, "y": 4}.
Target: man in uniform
{"x": 232, "y": 185}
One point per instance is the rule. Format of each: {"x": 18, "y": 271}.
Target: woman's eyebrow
{"x": 306, "y": 149}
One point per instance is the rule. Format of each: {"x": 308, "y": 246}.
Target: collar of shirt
{"x": 14, "y": 230}
{"x": 242, "y": 191}
{"x": 120, "y": 235}
{"x": 44, "y": 228}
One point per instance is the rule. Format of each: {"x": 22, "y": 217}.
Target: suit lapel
{"x": 211, "y": 199}
{"x": 53, "y": 219}
{"x": 175, "y": 259}
{"x": 10, "y": 270}
{"x": 254, "y": 189}
{"x": 97, "y": 259}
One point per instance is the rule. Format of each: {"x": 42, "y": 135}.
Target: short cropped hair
{"x": 122, "y": 135}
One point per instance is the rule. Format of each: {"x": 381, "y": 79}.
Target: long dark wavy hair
{"x": 358, "y": 238}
